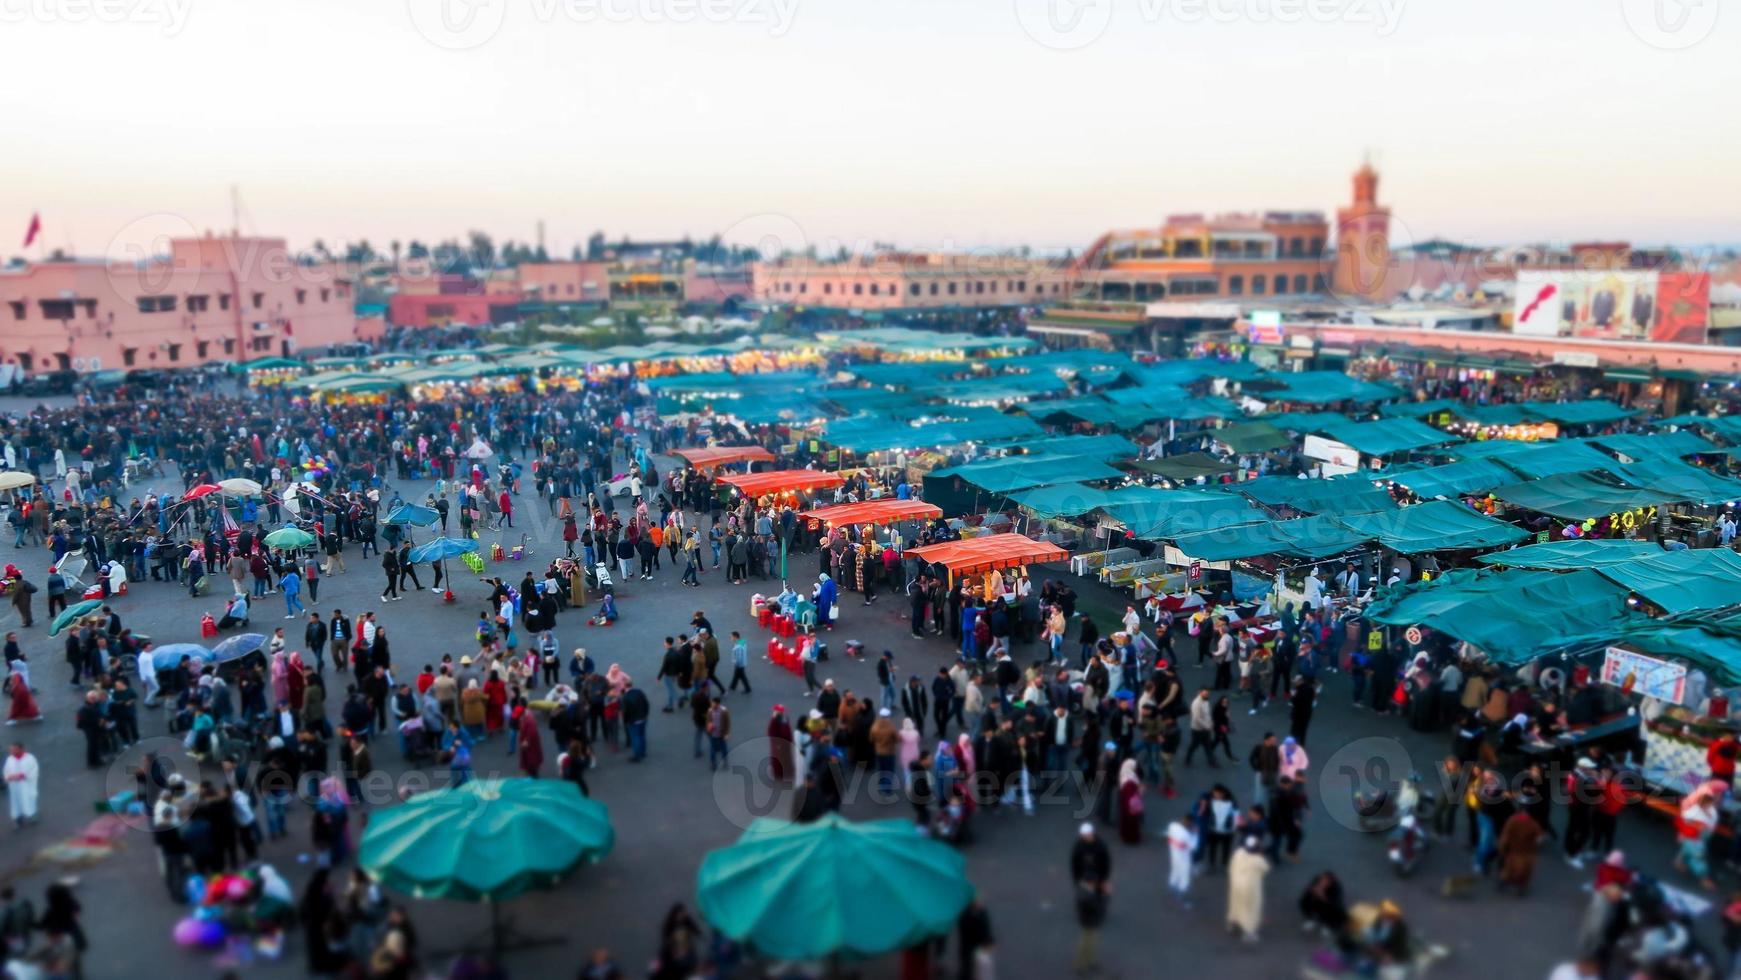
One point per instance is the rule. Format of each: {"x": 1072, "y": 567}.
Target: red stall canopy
{"x": 782, "y": 481}
{"x": 707, "y": 457}
{"x": 992, "y": 551}
{"x": 873, "y": 512}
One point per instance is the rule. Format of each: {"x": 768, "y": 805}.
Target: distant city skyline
{"x": 930, "y": 125}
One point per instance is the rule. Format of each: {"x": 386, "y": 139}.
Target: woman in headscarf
{"x": 1130, "y": 803}
{"x": 531, "y": 747}
{"x": 1294, "y": 760}
{"x": 965, "y": 764}
{"x": 280, "y": 677}
{"x": 827, "y": 594}
{"x": 1245, "y": 875}
{"x": 473, "y": 708}
{"x": 617, "y": 679}
{"x": 296, "y": 679}
{"x": 23, "y": 706}
{"x": 909, "y": 750}
{"x": 780, "y": 745}
{"x": 495, "y": 699}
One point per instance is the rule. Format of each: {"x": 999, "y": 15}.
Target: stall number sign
{"x": 1644, "y": 675}
{"x": 1413, "y": 636}
{"x": 1541, "y": 537}
{"x": 1196, "y": 571}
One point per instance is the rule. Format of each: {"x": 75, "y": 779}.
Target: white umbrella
{"x": 237, "y": 486}
{"x": 15, "y": 479}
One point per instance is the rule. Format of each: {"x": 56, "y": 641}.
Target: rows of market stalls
{"x": 1546, "y": 537}
{"x": 1567, "y": 531}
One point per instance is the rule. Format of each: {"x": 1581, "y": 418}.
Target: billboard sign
{"x": 1613, "y": 305}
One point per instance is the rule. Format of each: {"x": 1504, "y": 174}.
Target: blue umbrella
{"x": 237, "y": 647}
{"x": 443, "y": 548}
{"x": 413, "y": 514}
{"x": 169, "y": 654}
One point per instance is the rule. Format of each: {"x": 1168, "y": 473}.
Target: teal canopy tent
{"x": 1307, "y": 537}
{"x": 1252, "y": 437}
{"x": 1386, "y": 436}
{"x": 1577, "y": 496}
{"x": 1062, "y": 500}
{"x": 1682, "y": 581}
{"x": 1354, "y": 494}
{"x": 1433, "y": 526}
{"x": 1573, "y": 554}
{"x": 1594, "y": 411}
{"x": 1469, "y": 476}
{"x": 1655, "y": 447}
{"x": 1512, "y": 616}
{"x": 1160, "y": 514}
{"x": 1022, "y": 472}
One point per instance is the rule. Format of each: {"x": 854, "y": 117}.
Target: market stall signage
{"x": 1652, "y": 677}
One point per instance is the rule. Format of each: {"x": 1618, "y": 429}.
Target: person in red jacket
{"x": 1720, "y": 757}
{"x": 506, "y": 503}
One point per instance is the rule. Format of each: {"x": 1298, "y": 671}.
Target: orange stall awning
{"x": 782, "y": 481}
{"x": 873, "y": 512}
{"x": 971, "y": 555}
{"x": 707, "y": 457}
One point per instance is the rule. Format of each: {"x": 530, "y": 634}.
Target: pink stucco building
{"x": 211, "y": 299}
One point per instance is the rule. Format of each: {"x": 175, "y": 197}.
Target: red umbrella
{"x": 202, "y": 490}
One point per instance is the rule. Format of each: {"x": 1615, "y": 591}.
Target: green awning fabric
{"x": 1674, "y": 480}
{"x": 1153, "y": 513}
{"x": 1156, "y": 397}
{"x": 869, "y": 433}
{"x": 1539, "y": 459}
{"x": 1192, "y": 371}
{"x": 1022, "y": 472}
{"x": 1186, "y": 466}
{"x": 1626, "y": 374}
{"x": 1416, "y": 410}
{"x": 1683, "y": 581}
{"x": 1207, "y": 407}
{"x": 1433, "y": 526}
{"x": 1252, "y": 437}
{"x": 1353, "y": 494}
{"x": 1644, "y": 448}
{"x": 1386, "y": 436}
{"x": 1106, "y": 448}
{"x": 1001, "y": 388}
{"x": 1576, "y": 496}
{"x": 1062, "y": 500}
{"x": 1595, "y": 411}
{"x": 1512, "y": 616}
{"x": 1712, "y": 644}
{"x": 1469, "y": 476}
{"x": 1322, "y": 387}
{"x": 1308, "y": 537}
{"x": 1567, "y": 555}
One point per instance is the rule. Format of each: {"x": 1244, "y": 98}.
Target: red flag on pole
{"x": 34, "y": 229}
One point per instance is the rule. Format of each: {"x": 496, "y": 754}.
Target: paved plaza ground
{"x": 669, "y": 812}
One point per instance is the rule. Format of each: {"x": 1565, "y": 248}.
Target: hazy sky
{"x": 930, "y": 123}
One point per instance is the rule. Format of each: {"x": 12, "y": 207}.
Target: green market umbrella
{"x": 486, "y": 841}
{"x": 288, "y": 538}
{"x": 832, "y": 888}
{"x": 72, "y": 614}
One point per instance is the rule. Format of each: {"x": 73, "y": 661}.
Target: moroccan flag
{"x": 34, "y": 230}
